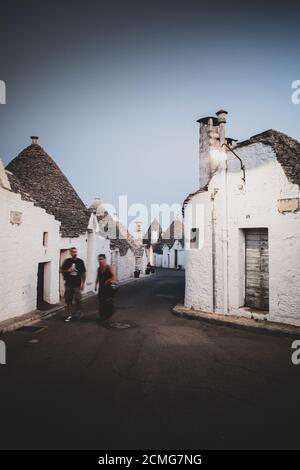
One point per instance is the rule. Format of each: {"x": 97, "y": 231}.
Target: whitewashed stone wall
{"x": 144, "y": 261}
{"x": 253, "y": 206}
{"x": 198, "y": 268}
{"x": 181, "y": 258}
{"x": 168, "y": 256}
{"x": 157, "y": 260}
{"x": 141, "y": 259}
{"x": 150, "y": 255}
{"x": 103, "y": 247}
{"x": 124, "y": 266}
{"x": 81, "y": 243}
{"x": 21, "y": 249}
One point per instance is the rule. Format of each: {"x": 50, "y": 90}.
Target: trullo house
{"x": 242, "y": 226}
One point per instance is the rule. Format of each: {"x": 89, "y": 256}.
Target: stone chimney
{"x": 222, "y": 121}
{"x": 211, "y": 137}
{"x": 138, "y": 236}
{"x": 34, "y": 139}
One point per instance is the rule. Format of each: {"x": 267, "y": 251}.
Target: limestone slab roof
{"x": 286, "y": 148}
{"x": 36, "y": 176}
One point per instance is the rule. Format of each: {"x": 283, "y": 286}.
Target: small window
{"x": 45, "y": 239}
{"x": 194, "y": 239}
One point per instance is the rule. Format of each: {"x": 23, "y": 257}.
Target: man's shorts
{"x": 72, "y": 293}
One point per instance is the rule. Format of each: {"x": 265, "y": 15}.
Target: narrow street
{"x": 165, "y": 383}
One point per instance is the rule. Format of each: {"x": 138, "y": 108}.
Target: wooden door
{"x": 257, "y": 268}
{"x": 40, "y": 286}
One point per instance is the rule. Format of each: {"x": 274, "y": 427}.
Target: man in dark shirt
{"x": 105, "y": 279}
{"x": 74, "y": 273}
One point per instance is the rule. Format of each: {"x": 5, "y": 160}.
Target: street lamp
{"x": 220, "y": 156}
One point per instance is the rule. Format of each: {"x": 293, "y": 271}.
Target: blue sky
{"x": 114, "y": 91}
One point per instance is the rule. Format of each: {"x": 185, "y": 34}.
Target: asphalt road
{"x": 166, "y": 382}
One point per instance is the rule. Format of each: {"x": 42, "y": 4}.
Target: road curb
{"x": 17, "y": 322}
{"x": 259, "y": 326}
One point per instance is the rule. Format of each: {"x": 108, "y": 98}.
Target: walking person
{"x": 74, "y": 272}
{"x": 105, "y": 280}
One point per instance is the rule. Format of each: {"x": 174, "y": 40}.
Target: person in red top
{"x": 105, "y": 280}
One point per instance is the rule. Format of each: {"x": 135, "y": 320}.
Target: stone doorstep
{"x": 258, "y": 325}
{"x": 36, "y": 315}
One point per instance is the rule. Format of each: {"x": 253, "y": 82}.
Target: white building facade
{"x": 172, "y": 256}
{"x": 42, "y": 217}
{"x": 122, "y": 250}
{"x": 165, "y": 249}
{"x": 243, "y": 234}
{"x": 29, "y": 246}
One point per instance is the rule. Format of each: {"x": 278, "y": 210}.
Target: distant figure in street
{"x": 105, "y": 279}
{"x": 74, "y": 272}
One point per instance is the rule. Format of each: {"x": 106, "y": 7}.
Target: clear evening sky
{"x": 114, "y": 89}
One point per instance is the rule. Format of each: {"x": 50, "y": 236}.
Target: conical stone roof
{"x": 42, "y": 179}
{"x": 153, "y": 227}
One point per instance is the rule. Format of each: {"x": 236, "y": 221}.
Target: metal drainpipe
{"x": 224, "y": 197}
{"x": 213, "y": 252}
{"x": 225, "y": 237}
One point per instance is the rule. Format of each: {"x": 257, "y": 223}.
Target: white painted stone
{"x": 255, "y": 205}
{"x": 21, "y": 249}
{"x": 167, "y": 259}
